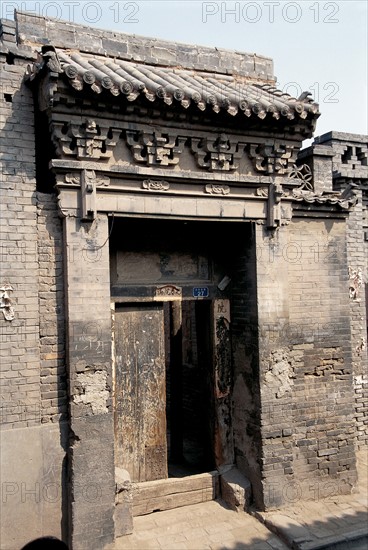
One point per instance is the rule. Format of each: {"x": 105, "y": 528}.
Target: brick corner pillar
{"x": 91, "y": 446}
{"x": 273, "y": 300}
{"x": 319, "y": 158}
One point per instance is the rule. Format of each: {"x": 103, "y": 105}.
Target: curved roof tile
{"x": 205, "y": 90}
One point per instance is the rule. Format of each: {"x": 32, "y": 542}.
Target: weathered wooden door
{"x": 140, "y": 397}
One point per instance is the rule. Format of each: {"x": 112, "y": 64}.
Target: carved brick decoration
{"x": 155, "y": 148}
{"x": 86, "y": 141}
{"x": 272, "y": 158}
{"x": 155, "y": 185}
{"x": 6, "y": 304}
{"x": 168, "y": 292}
{"x": 74, "y": 178}
{"x": 87, "y": 181}
{"x": 216, "y": 189}
{"x": 216, "y": 154}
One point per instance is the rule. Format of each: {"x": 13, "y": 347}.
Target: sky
{"x": 319, "y": 46}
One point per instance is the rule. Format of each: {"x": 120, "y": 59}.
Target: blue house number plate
{"x": 200, "y": 292}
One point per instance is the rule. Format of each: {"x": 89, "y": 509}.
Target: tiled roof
{"x": 344, "y": 200}
{"x": 205, "y": 90}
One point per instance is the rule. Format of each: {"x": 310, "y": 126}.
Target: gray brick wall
{"x": 32, "y": 454}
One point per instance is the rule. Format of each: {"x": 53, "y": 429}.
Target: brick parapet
{"x": 34, "y": 30}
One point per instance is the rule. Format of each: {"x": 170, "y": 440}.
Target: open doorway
{"x": 189, "y": 387}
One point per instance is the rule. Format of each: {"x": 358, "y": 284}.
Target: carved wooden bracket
{"x": 216, "y": 154}
{"x": 156, "y": 148}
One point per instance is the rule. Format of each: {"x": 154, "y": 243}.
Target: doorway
{"x": 164, "y": 389}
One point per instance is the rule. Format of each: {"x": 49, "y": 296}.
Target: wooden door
{"x": 140, "y": 396}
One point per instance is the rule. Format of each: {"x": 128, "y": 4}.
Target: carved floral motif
{"x": 74, "y": 178}
{"x": 168, "y": 292}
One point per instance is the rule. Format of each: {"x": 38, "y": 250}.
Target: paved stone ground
{"x": 334, "y": 523}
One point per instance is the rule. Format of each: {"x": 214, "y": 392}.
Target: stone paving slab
{"x": 208, "y": 525}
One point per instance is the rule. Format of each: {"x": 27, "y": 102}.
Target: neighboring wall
{"x": 31, "y": 446}
{"x": 349, "y": 164}
{"x": 358, "y": 273}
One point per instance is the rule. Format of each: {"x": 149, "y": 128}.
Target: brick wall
{"x": 20, "y": 375}
{"x": 350, "y": 166}
{"x": 305, "y": 363}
